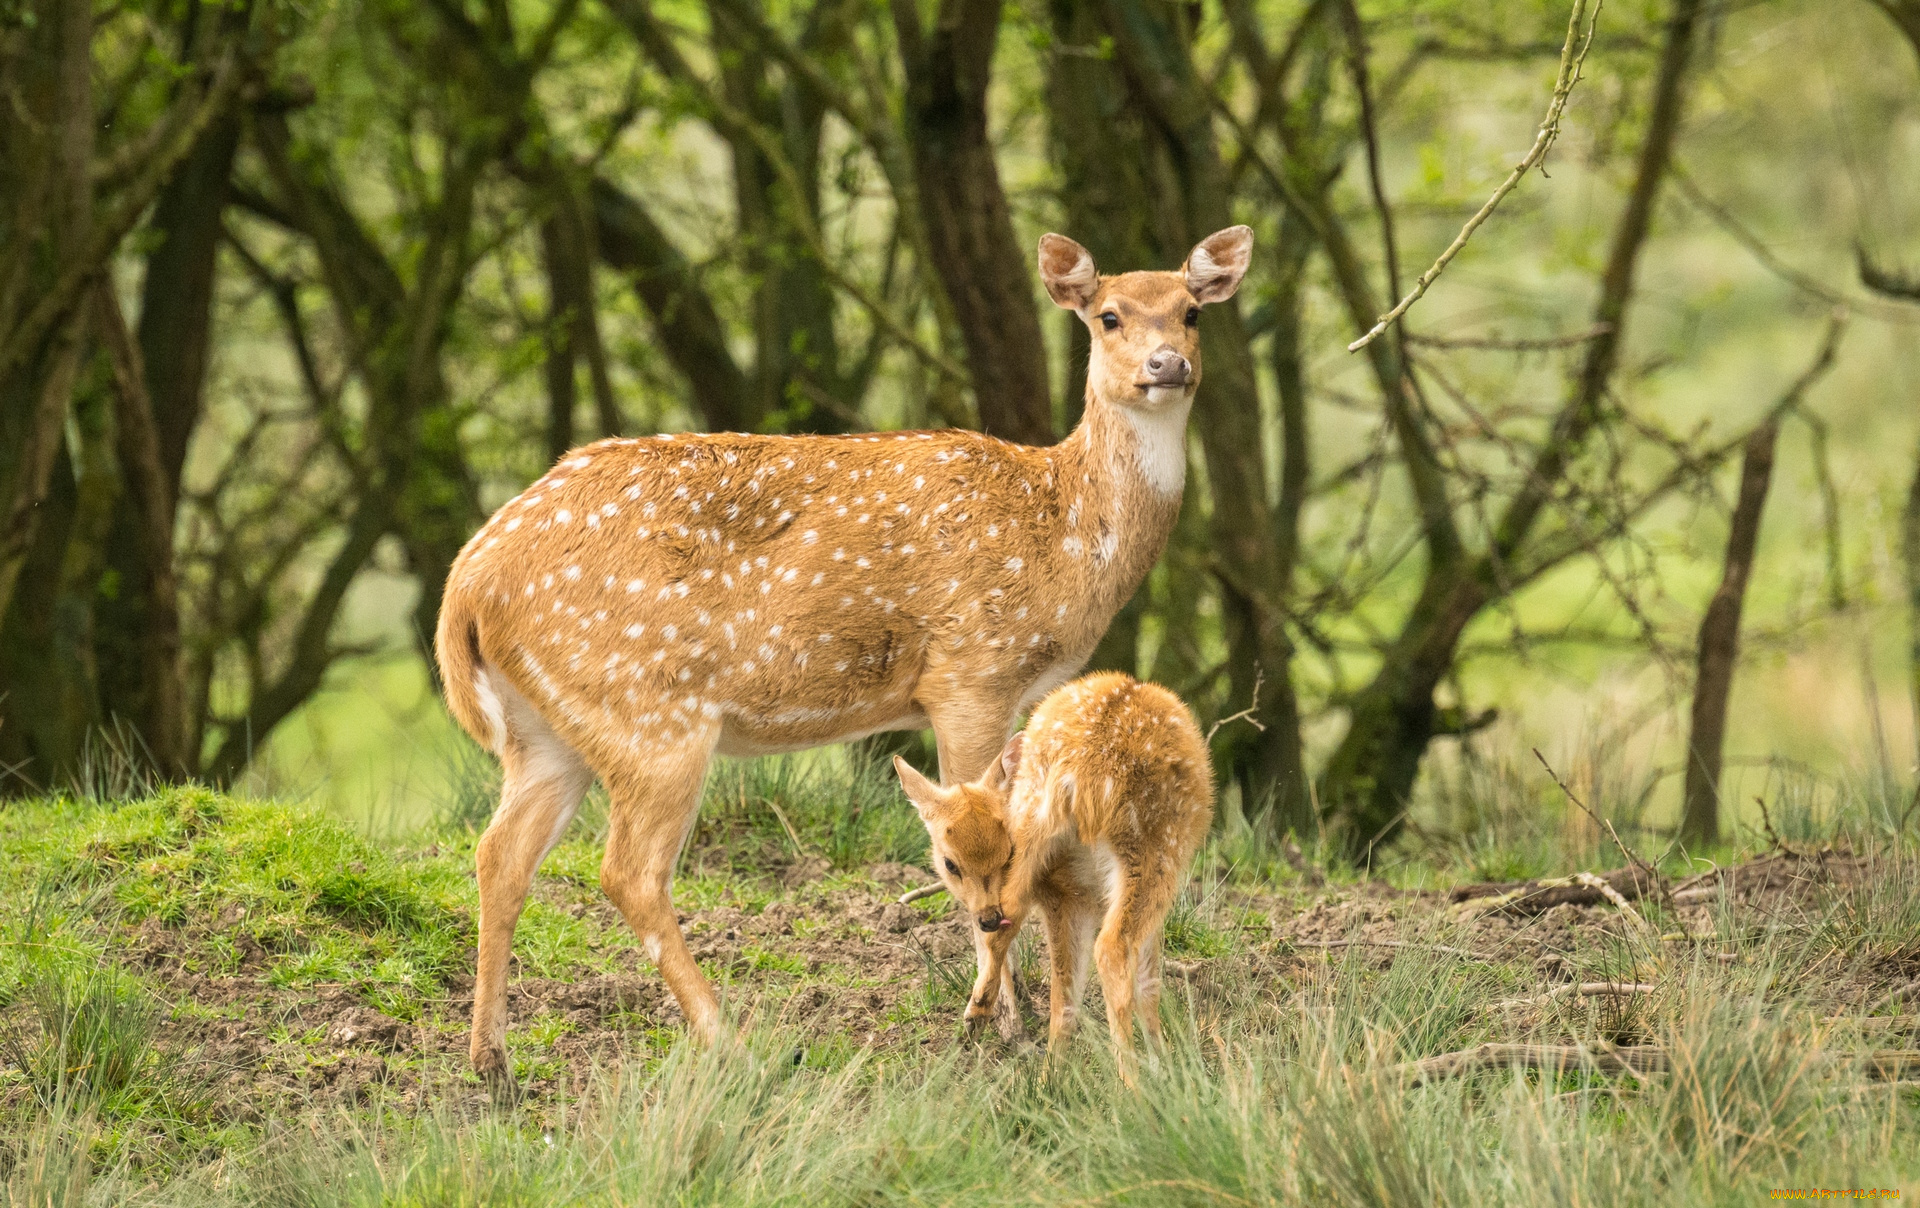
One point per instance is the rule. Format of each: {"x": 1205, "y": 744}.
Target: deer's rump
{"x": 790, "y": 591}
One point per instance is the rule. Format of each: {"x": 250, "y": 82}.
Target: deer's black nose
{"x": 989, "y": 919}
{"x": 1167, "y": 367}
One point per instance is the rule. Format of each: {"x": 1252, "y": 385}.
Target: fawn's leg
{"x": 544, "y": 781}
{"x": 654, "y": 801}
{"x": 1146, "y": 1000}
{"x": 1071, "y": 923}
{"x": 993, "y": 987}
{"x": 1133, "y": 917}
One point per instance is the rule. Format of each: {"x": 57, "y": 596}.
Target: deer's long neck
{"x": 1126, "y": 467}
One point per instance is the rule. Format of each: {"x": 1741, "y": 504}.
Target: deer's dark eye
{"x": 1111, "y": 320}
{"x": 1193, "y": 316}
{"x": 953, "y": 868}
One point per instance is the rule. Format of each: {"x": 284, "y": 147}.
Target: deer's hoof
{"x": 493, "y": 1069}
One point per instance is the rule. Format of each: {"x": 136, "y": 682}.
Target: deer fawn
{"x": 1092, "y": 815}
{"x": 651, "y": 602}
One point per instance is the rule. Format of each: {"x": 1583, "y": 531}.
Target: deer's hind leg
{"x": 543, "y": 783}
{"x": 654, "y": 800}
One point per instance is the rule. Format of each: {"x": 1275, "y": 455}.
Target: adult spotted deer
{"x": 651, "y": 602}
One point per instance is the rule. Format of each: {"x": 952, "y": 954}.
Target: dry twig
{"x": 1246, "y": 714}
{"x": 1633, "y": 857}
{"x": 1607, "y": 891}
{"x": 1330, "y": 944}
{"x": 925, "y": 891}
{"x": 1581, "y": 990}
{"x": 1638, "y": 1060}
{"x": 1570, "y": 64}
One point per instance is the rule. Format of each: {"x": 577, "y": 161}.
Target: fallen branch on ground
{"x": 1613, "y": 895}
{"x": 1581, "y": 990}
{"x": 925, "y": 891}
{"x": 1633, "y": 857}
{"x": 1539, "y": 896}
{"x": 1477, "y": 956}
{"x": 1639, "y": 1060}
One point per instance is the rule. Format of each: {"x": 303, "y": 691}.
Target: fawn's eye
{"x": 1193, "y": 316}
{"x": 1110, "y": 319}
{"x": 953, "y": 868}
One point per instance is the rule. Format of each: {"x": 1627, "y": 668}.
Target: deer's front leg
{"x": 969, "y": 733}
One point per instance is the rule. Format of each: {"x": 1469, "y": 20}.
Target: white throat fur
{"x": 1160, "y": 437}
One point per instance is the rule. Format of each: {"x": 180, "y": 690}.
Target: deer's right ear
{"x": 927, "y": 797}
{"x": 1005, "y": 768}
{"x": 1067, "y": 270}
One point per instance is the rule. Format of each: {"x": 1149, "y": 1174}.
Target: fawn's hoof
{"x": 1007, "y": 1021}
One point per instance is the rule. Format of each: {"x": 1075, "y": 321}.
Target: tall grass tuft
{"x": 89, "y": 1036}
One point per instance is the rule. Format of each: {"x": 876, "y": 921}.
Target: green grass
{"x": 1281, "y": 1082}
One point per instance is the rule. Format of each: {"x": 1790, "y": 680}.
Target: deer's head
{"x": 1145, "y": 325}
{"x": 972, "y": 848}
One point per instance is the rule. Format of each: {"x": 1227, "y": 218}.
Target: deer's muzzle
{"x": 1166, "y": 367}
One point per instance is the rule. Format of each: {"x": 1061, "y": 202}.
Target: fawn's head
{"x": 972, "y": 848}
{"x": 1145, "y": 325}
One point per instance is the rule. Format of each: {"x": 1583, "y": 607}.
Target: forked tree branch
{"x": 1570, "y": 63}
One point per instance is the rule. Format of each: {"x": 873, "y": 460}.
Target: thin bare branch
{"x": 1571, "y": 62}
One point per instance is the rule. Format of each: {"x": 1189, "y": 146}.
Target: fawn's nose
{"x": 990, "y": 919}
{"x": 1167, "y": 367}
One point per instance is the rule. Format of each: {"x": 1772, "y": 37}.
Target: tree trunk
{"x": 1107, "y": 182}
{"x": 1153, "y": 46}
{"x": 46, "y": 210}
{"x": 1284, "y": 765}
{"x": 561, "y": 393}
{"x": 796, "y": 359}
{"x": 1906, "y": 15}
{"x": 984, "y": 271}
{"x": 149, "y": 507}
{"x": 1719, "y": 649}
{"x": 137, "y": 625}
{"x": 1369, "y": 779}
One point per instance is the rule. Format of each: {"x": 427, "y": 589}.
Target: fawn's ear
{"x": 1067, "y": 270}
{"x": 1217, "y": 263}
{"x": 927, "y": 797}
{"x": 1001, "y": 774}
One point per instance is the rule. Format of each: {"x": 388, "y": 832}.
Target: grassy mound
{"x": 206, "y": 999}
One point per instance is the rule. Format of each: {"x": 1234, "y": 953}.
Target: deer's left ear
{"x": 1217, "y": 263}
{"x": 1004, "y": 769}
